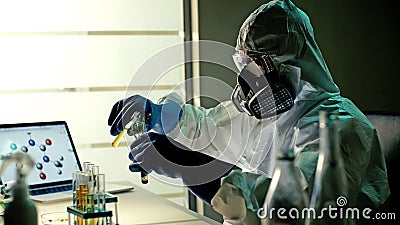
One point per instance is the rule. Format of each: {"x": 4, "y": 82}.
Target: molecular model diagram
{"x": 32, "y": 146}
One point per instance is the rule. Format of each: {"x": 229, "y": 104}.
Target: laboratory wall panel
{"x": 86, "y": 113}
{"x": 72, "y": 60}
{"x": 89, "y": 15}
{"x": 81, "y": 61}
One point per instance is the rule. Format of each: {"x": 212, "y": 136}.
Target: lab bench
{"x": 139, "y": 206}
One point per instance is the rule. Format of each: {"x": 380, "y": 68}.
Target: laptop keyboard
{"x": 49, "y": 190}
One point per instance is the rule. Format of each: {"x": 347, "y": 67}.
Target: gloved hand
{"x": 158, "y": 153}
{"x": 230, "y": 203}
{"x": 161, "y": 118}
{"x": 240, "y": 196}
{"x": 149, "y": 154}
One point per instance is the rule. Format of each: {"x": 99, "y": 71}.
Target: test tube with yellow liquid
{"x": 136, "y": 128}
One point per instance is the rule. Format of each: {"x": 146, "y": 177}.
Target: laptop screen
{"x": 50, "y": 146}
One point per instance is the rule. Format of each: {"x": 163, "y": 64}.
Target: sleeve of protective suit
{"x": 213, "y": 131}
{"x": 364, "y": 161}
{"x": 362, "y": 156}
{"x": 168, "y": 158}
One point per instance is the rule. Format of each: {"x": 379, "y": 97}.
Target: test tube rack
{"x": 85, "y": 216}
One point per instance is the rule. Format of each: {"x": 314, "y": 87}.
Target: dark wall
{"x": 220, "y": 20}
{"x": 359, "y": 40}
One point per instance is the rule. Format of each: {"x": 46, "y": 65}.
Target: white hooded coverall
{"x": 224, "y": 133}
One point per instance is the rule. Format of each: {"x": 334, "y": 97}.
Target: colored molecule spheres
{"x": 46, "y": 159}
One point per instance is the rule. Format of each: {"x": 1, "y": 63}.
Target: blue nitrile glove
{"x": 158, "y": 153}
{"x": 161, "y": 118}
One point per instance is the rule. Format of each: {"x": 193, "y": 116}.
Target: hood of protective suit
{"x": 284, "y": 31}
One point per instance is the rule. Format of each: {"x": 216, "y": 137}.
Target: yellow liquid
{"x": 81, "y": 202}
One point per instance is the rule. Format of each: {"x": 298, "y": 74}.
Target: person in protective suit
{"x": 277, "y": 55}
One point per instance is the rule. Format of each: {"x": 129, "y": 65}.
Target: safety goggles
{"x": 244, "y": 58}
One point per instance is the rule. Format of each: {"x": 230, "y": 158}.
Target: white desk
{"x": 140, "y": 207}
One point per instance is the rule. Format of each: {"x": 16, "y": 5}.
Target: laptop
{"x": 51, "y": 147}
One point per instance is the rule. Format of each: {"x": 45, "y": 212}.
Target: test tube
{"x": 144, "y": 177}
{"x": 89, "y": 167}
{"x": 134, "y": 128}
{"x": 84, "y": 165}
{"x": 95, "y": 170}
{"x": 95, "y": 173}
{"x": 93, "y": 195}
{"x": 81, "y": 192}
{"x": 101, "y": 192}
{"x": 90, "y": 196}
{"x": 85, "y": 190}
{"x": 79, "y": 185}
{"x": 75, "y": 186}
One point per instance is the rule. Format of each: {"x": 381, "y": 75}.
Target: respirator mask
{"x": 258, "y": 91}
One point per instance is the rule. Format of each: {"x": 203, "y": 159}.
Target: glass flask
{"x": 137, "y": 126}
{"x": 285, "y": 198}
{"x": 330, "y": 190}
